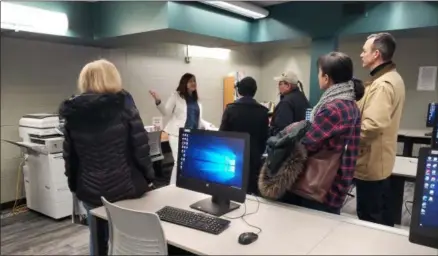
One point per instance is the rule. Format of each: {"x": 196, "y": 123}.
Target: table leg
{"x": 98, "y": 236}
{"x": 397, "y": 194}
{"x": 408, "y": 147}
{"x": 158, "y": 169}
{"x": 172, "y": 250}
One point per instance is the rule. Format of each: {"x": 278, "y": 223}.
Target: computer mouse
{"x": 248, "y": 238}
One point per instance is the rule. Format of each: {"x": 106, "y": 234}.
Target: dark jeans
{"x": 303, "y": 202}
{"x": 374, "y": 201}
{"x": 103, "y": 229}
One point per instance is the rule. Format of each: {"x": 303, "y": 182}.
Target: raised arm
{"x": 167, "y": 109}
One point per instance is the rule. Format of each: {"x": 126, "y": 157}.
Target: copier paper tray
{"x": 29, "y": 147}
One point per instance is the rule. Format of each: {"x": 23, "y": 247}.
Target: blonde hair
{"x": 100, "y": 76}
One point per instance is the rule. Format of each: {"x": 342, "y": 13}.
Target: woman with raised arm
{"x": 184, "y": 111}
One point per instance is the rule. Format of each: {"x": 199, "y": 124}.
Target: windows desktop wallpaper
{"x": 213, "y": 159}
{"x": 429, "y": 204}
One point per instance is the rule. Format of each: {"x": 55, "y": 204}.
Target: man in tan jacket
{"x": 381, "y": 109}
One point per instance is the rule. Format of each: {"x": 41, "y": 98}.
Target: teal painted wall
{"x": 297, "y": 19}
{"x": 205, "y": 20}
{"x": 79, "y": 14}
{"x": 293, "y": 20}
{"x": 318, "y": 47}
{"x": 120, "y": 18}
{"x": 324, "y": 22}
{"x": 323, "y": 19}
{"x": 388, "y": 16}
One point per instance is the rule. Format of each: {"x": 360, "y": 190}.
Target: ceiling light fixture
{"x": 242, "y": 8}
{"x": 25, "y": 18}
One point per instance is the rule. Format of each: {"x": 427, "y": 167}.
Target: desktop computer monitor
{"x": 424, "y": 221}
{"x": 308, "y": 113}
{"x": 214, "y": 163}
{"x": 434, "y": 134}
{"x": 431, "y": 114}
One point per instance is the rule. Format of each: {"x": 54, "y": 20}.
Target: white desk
{"x": 405, "y": 169}
{"x": 405, "y": 166}
{"x": 286, "y": 230}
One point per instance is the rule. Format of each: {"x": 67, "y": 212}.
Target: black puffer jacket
{"x": 106, "y": 149}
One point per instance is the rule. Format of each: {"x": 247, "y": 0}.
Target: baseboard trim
{"x": 10, "y": 204}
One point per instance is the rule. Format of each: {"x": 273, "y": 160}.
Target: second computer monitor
{"x": 424, "y": 222}
{"x": 215, "y": 163}
{"x": 431, "y": 114}
{"x": 308, "y": 113}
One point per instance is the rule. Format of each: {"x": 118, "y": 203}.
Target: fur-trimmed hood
{"x": 285, "y": 162}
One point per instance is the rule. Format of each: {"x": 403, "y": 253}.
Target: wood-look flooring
{"x": 31, "y": 233}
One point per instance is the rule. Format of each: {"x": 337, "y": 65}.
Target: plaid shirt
{"x": 336, "y": 125}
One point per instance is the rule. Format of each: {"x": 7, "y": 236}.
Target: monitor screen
{"x": 308, "y": 113}
{"x": 431, "y": 111}
{"x": 212, "y": 159}
{"x": 215, "y": 163}
{"x": 434, "y": 141}
{"x": 424, "y": 222}
{"x": 429, "y": 205}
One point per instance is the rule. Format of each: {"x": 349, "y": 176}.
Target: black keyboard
{"x": 199, "y": 221}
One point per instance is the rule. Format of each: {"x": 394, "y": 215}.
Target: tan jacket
{"x": 381, "y": 109}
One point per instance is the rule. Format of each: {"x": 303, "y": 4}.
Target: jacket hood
{"x": 91, "y": 108}
{"x": 275, "y": 185}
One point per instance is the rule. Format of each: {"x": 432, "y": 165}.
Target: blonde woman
{"x": 184, "y": 110}
{"x": 106, "y": 149}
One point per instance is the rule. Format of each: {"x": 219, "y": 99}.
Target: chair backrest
{"x": 134, "y": 232}
{"x": 155, "y": 145}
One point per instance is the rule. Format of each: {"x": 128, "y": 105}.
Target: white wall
{"x": 160, "y": 67}
{"x": 37, "y": 76}
{"x": 276, "y": 60}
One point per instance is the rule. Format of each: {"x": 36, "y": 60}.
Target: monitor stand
{"x": 216, "y": 206}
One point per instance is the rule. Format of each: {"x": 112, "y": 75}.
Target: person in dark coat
{"x": 293, "y": 103}
{"x": 106, "y": 148}
{"x": 248, "y": 116}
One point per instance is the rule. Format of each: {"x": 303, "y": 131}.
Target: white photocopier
{"x": 45, "y": 183}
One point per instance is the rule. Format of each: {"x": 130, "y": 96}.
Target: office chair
{"x": 155, "y": 146}
{"x": 134, "y": 232}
